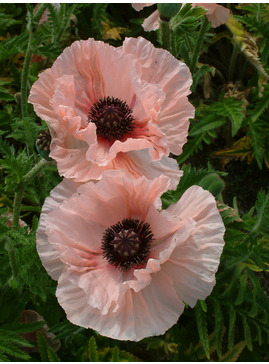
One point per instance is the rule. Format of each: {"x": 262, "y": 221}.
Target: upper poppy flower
{"x": 124, "y": 266}
{"x": 115, "y": 108}
{"x": 216, "y": 14}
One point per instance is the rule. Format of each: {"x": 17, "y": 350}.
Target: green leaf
{"x": 6, "y": 20}
{"x": 187, "y": 19}
{"x": 42, "y": 346}
{"x": 203, "y": 305}
{"x": 242, "y": 289}
{"x": 212, "y": 183}
{"x": 115, "y": 355}
{"x": 260, "y": 106}
{"x": 247, "y": 334}
{"x": 234, "y": 353}
{"x": 232, "y": 318}
{"x": 202, "y": 328}
{"x": 5, "y": 95}
{"x": 53, "y": 357}
{"x": 9, "y": 349}
{"x": 93, "y": 353}
{"x": 231, "y": 108}
{"x": 256, "y": 132}
{"x": 262, "y": 207}
{"x": 206, "y": 124}
{"x": 25, "y": 130}
{"x": 219, "y": 327}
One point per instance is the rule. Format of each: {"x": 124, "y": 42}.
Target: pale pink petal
{"x": 152, "y": 22}
{"x": 217, "y": 14}
{"x": 195, "y": 262}
{"x": 49, "y": 256}
{"x": 160, "y": 67}
{"x": 139, "y": 163}
{"x": 140, "y": 6}
{"x": 139, "y": 316}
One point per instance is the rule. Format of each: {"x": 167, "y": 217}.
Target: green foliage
{"x": 202, "y": 327}
{"x": 192, "y": 177}
{"x": 187, "y": 19}
{"x": 231, "y": 97}
{"x": 46, "y": 352}
{"x": 12, "y": 343}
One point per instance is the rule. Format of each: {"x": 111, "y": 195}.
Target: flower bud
{"x": 167, "y": 11}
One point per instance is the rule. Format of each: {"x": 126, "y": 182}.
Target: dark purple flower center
{"x": 112, "y": 117}
{"x": 127, "y": 244}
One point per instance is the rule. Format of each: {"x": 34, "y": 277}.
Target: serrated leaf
{"x": 242, "y": 289}
{"x": 42, "y": 346}
{"x": 233, "y": 109}
{"x": 202, "y": 328}
{"x": 260, "y": 295}
{"x": 10, "y": 349}
{"x": 232, "y": 318}
{"x": 53, "y": 357}
{"x": 25, "y": 130}
{"x": 93, "y": 353}
{"x": 186, "y": 20}
{"x": 5, "y": 95}
{"x": 208, "y": 124}
{"x": 247, "y": 334}
{"x": 262, "y": 207}
{"x": 3, "y": 357}
{"x": 242, "y": 149}
{"x": 203, "y": 305}
{"x": 219, "y": 327}
{"x": 234, "y": 353}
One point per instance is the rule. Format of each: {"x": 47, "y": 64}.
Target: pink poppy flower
{"x": 124, "y": 266}
{"x": 115, "y": 108}
{"x": 216, "y": 14}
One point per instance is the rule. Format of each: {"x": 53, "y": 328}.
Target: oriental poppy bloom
{"x": 115, "y": 108}
{"x": 125, "y": 267}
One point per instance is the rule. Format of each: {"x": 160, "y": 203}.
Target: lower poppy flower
{"x": 125, "y": 267}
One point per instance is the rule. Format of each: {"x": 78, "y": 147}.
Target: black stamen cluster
{"x": 112, "y": 117}
{"x": 127, "y": 243}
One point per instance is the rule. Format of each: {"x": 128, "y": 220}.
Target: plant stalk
{"x": 28, "y": 54}
{"x": 198, "y": 45}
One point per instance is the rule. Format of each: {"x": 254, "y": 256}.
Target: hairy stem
{"x": 28, "y": 54}
{"x": 198, "y": 44}
{"x": 12, "y": 258}
{"x": 19, "y": 194}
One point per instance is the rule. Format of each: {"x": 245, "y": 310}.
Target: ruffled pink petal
{"x": 160, "y": 67}
{"x": 139, "y": 316}
{"x": 195, "y": 262}
{"x": 138, "y": 163}
{"x": 49, "y": 256}
{"x": 152, "y": 22}
{"x": 121, "y": 198}
{"x": 102, "y": 286}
